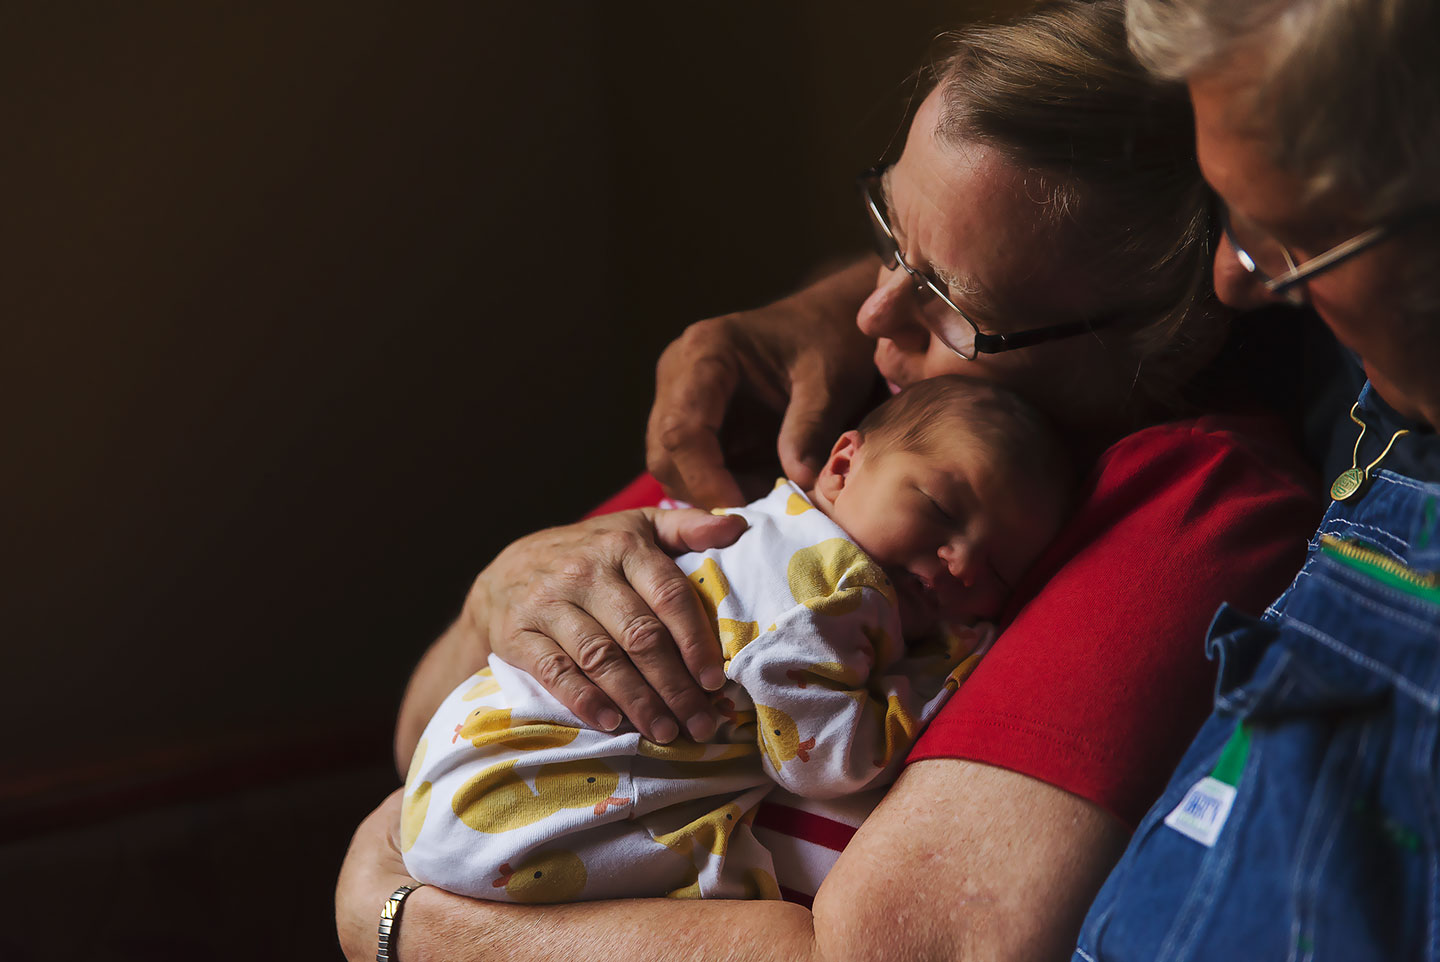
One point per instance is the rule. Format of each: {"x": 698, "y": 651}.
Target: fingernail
{"x": 665, "y": 730}
{"x": 701, "y": 726}
{"x": 712, "y": 678}
{"x": 609, "y": 719}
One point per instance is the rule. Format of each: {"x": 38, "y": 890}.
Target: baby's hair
{"x": 940, "y": 409}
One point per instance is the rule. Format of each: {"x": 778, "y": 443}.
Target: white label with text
{"x": 1202, "y": 812}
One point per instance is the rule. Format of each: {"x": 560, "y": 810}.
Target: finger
{"x": 649, "y": 648}
{"x": 690, "y": 529}
{"x": 684, "y": 630}
{"x": 693, "y": 530}
{"x": 692, "y": 393}
{"x": 692, "y": 468}
{"x": 548, "y": 663}
{"x": 602, "y": 649}
{"x": 811, "y": 424}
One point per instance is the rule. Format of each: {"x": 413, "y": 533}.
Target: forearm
{"x": 961, "y": 861}
{"x": 440, "y": 927}
{"x": 461, "y": 651}
{"x": 836, "y": 296}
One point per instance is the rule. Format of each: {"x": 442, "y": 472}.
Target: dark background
{"x": 309, "y": 308}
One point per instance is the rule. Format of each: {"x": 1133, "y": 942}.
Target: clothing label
{"x": 1202, "y": 812}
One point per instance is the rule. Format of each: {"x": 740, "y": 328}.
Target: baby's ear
{"x": 838, "y": 466}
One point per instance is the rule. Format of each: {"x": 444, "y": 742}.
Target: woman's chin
{"x": 895, "y": 379}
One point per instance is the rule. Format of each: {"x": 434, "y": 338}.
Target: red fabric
{"x": 807, "y": 825}
{"x": 1099, "y": 683}
{"x": 643, "y": 492}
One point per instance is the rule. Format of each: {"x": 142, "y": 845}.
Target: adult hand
{"x": 373, "y": 869}
{"x": 802, "y": 356}
{"x": 600, "y": 615}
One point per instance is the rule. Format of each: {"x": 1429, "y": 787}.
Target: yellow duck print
{"x": 495, "y": 726}
{"x": 498, "y": 800}
{"x": 779, "y": 737}
{"x": 416, "y": 803}
{"x": 900, "y": 728}
{"x": 555, "y": 876}
{"x": 735, "y": 635}
{"x": 691, "y": 888}
{"x": 760, "y": 884}
{"x": 828, "y": 578}
{"x": 487, "y": 685}
{"x": 709, "y": 832}
{"x": 961, "y": 672}
{"x": 713, "y": 587}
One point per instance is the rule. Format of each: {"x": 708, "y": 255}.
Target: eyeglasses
{"x": 955, "y": 330}
{"x": 1272, "y": 264}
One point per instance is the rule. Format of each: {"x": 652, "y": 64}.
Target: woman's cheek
{"x": 939, "y": 360}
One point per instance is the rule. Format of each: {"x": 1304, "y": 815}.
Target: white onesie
{"x": 511, "y": 797}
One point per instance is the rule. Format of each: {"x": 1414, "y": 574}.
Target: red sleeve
{"x": 643, "y": 492}
{"x": 1100, "y": 681}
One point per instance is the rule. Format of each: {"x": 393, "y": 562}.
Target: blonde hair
{"x": 1112, "y": 150}
{"x": 1349, "y": 89}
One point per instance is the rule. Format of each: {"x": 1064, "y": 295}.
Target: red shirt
{"x": 1099, "y": 683}
{"x": 1100, "y": 680}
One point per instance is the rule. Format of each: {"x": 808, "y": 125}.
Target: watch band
{"x": 390, "y": 919}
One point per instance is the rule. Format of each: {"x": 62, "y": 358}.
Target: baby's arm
{"x": 837, "y": 701}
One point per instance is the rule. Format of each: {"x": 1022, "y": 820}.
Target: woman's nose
{"x": 1235, "y": 286}
{"x": 889, "y": 312}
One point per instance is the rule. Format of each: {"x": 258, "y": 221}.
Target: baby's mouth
{"x": 917, "y": 598}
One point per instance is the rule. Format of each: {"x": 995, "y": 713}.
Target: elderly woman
{"x": 1045, "y": 227}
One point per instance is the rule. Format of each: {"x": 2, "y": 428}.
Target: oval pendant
{"x": 1349, "y": 482}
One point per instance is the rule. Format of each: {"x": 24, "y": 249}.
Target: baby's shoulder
{"x": 790, "y": 554}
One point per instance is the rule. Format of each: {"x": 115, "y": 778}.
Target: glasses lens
{"x": 955, "y": 330}
{"x": 879, "y": 231}
{"x": 1257, "y": 251}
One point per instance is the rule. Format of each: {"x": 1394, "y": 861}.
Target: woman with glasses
{"x": 1046, "y": 227}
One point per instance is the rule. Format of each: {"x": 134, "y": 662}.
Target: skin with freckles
{"x": 967, "y": 216}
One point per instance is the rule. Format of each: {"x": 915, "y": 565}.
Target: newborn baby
{"x": 847, "y": 615}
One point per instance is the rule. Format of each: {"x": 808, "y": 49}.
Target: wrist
{"x": 836, "y": 296}
{"x": 407, "y": 942}
{"x": 442, "y": 927}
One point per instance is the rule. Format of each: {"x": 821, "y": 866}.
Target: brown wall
{"x": 310, "y": 307}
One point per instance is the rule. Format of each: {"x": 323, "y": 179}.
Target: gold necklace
{"x": 1352, "y": 479}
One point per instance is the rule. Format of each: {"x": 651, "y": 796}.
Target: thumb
{"x": 693, "y": 529}
{"x": 808, "y": 431}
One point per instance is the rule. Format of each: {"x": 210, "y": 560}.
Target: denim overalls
{"x": 1304, "y": 821}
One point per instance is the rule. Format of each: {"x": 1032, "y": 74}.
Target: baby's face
{"x": 954, "y": 533}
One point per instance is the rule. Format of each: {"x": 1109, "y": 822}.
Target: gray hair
{"x": 1350, "y": 88}
{"x": 1059, "y": 94}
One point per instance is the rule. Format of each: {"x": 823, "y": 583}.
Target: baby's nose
{"x": 962, "y": 561}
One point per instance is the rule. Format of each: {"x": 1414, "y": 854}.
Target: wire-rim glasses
{"x": 1271, "y": 263}
{"x": 965, "y": 339}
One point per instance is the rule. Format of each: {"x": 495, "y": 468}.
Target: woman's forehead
{"x": 963, "y": 212}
